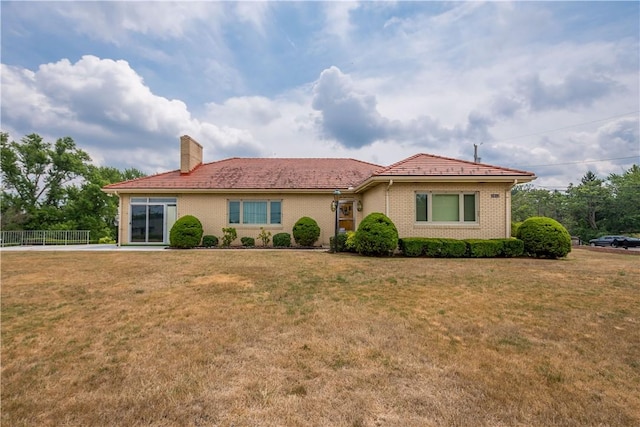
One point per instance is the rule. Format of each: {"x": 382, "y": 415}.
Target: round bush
{"x": 248, "y": 241}
{"x": 209, "y": 241}
{"x": 186, "y": 232}
{"x": 306, "y": 231}
{"x": 544, "y": 238}
{"x": 376, "y": 235}
{"x": 282, "y": 240}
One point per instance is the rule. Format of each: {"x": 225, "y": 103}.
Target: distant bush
{"x": 229, "y": 235}
{"x": 544, "y": 238}
{"x": 282, "y": 240}
{"x": 186, "y": 232}
{"x": 106, "y": 240}
{"x": 209, "y": 241}
{"x": 377, "y": 235}
{"x": 248, "y": 241}
{"x": 306, "y": 231}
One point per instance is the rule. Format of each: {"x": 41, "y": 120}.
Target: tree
{"x": 587, "y": 203}
{"x": 623, "y": 212}
{"x": 54, "y": 186}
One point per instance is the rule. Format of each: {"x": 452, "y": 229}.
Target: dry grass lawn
{"x": 308, "y": 338}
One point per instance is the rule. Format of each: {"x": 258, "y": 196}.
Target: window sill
{"x": 446, "y": 225}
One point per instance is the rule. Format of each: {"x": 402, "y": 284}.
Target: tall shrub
{"x": 544, "y": 238}
{"x": 377, "y": 235}
{"x": 186, "y": 232}
{"x": 306, "y": 231}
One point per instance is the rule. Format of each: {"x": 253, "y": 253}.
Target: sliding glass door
{"x": 152, "y": 219}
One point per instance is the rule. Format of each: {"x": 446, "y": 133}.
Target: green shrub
{"x": 264, "y": 236}
{"x": 209, "y": 241}
{"x": 376, "y": 235}
{"x": 514, "y": 228}
{"x": 342, "y": 241}
{"x": 452, "y": 248}
{"x": 480, "y": 248}
{"x": 511, "y": 247}
{"x": 229, "y": 235}
{"x": 186, "y": 232}
{"x": 306, "y": 231}
{"x": 350, "y": 243}
{"x": 248, "y": 241}
{"x": 411, "y": 246}
{"x": 106, "y": 240}
{"x": 282, "y": 240}
{"x": 544, "y": 238}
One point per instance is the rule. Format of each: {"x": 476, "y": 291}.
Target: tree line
{"x": 593, "y": 207}
{"x": 54, "y": 186}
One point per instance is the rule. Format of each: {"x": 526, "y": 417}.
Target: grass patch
{"x": 302, "y": 338}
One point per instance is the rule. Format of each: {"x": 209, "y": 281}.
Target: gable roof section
{"x": 259, "y": 174}
{"x": 430, "y": 165}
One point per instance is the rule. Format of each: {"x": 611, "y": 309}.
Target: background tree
{"x": 588, "y": 202}
{"x": 53, "y": 186}
{"x": 623, "y": 212}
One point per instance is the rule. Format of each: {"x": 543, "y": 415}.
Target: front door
{"x": 345, "y": 216}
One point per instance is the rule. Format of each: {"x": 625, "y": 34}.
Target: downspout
{"x": 119, "y": 233}
{"x": 386, "y": 202}
{"x": 507, "y": 205}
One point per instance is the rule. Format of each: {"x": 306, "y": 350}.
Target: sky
{"x": 547, "y": 87}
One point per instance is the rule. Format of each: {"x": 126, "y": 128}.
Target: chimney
{"x": 190, "y": 154}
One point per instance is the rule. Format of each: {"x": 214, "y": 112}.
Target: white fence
{"x": 44, "y": 237}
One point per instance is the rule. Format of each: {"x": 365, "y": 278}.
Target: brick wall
{"x": 211, "y": 209}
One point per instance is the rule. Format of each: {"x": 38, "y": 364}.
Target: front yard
{"x": 301, "y": 338}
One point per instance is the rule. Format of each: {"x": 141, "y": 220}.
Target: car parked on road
{"x": 616, "y": 241}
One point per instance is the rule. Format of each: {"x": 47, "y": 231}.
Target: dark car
{"x": 616, "y": 241}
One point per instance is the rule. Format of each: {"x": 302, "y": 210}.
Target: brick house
{"x": 424, "y": 195}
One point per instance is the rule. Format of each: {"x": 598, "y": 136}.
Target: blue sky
{"x": 551, "y": 87}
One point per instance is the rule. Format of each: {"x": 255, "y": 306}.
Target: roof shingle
{"x": 308, "y": 173}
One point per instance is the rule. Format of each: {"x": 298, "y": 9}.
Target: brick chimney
{"x": 190, "y": 154}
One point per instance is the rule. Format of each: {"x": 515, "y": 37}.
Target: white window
{"x": 443, "y": 207}
{"x": 255, "y": 212}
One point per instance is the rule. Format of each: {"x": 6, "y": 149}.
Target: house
{"x": 424, "y": 195}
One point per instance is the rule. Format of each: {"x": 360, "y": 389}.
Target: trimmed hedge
{"x": 478, "y": 248}
{"x": 306, "y": 231}
{"x": 342, "y": 240}
{"x": 186, "y": 232}
{"x": 452, "y": 248}
{"x": 544, "y": 238}
{"x": 209, "y": 241}
{"x": 512, "y": 247}
{"x": 282, "y": 240}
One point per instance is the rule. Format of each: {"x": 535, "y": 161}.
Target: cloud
{"x": 115, "y": 22}
{"x": 347, "y": 114}
{"x": 577, "y": 89}
{"x": 106, "y": 104}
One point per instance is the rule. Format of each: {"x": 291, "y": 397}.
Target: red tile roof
{"x": 309, "y": 174}
{"x": 430, "y": 165}
{"x": 260, "y": 174}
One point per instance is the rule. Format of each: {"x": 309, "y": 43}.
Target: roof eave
{"x": 520, "y": 179}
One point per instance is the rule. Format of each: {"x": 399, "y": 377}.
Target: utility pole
{"x": 476, "y": 159}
